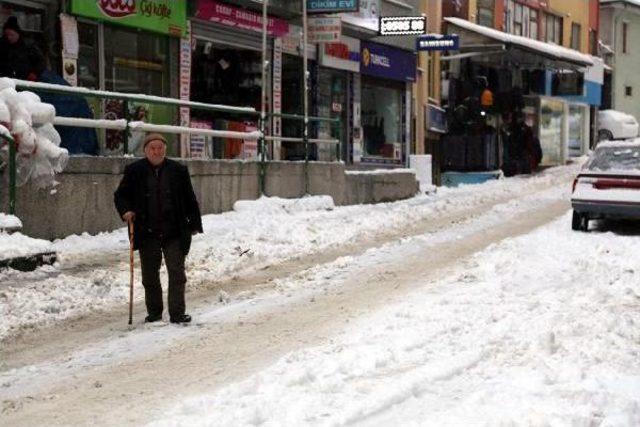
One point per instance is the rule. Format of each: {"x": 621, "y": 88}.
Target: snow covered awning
{"x": 549, "y": 50}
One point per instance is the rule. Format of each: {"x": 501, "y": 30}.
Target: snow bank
{"x": 277, "y": 205}
{"x": 29, "y": 121}
{"x": 18, "y": 245}
{"x": 257, "y": 235}
{"x": 542, "y": 329}
{"x": 9, "y": 221}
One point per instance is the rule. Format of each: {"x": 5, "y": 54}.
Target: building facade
{"x": 619, "y": 27}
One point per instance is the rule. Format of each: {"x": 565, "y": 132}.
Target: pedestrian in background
{"x": 17, "y": 57}
{"x": 157, "y": 196}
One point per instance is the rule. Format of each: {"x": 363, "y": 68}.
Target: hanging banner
{"x": 185, "y": 89}
{"x": 161, "y": 16}
{"x": 277, "y": 96}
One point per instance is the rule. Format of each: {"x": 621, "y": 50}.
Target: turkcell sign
{"x": 438, "y": 42}
{"x": 326, "y": 6}
{"x": 402, "y": 25}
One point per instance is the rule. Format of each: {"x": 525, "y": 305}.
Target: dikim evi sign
{"x": 161, "y": 16}
{"x": 326, "y": 6}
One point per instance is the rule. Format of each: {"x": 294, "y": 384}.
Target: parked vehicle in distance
{"x": 608, "y": 186}
{"x": 613, "y": 124}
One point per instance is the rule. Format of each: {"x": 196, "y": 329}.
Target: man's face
{"x": 155, "y": 151}
{"x": 11, "y": 36}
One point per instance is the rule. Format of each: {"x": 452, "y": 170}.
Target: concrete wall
{"x": 83, "y": 202}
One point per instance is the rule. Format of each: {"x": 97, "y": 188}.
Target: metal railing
{"x": 126, "y": 125}
{"x": 12, "y": 172}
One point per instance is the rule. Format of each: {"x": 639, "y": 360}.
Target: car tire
{"x": 575, "y": 221}
{"x": 604, "y": 135}
{"x": 580, "y": 221}
{"x": 584, "y": 222}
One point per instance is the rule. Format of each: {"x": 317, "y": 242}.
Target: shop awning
{"x": 548, "y": 50}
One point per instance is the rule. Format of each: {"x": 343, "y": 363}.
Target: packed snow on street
{"x": 469, "y": 306}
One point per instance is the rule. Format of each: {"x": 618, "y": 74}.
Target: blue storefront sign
{"x": 332, "y": 6}
{"x": 438, "y": 42}
{"x": 387, "y": 62}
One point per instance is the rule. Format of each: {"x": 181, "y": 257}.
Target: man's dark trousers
{"x": 151, "y": 252}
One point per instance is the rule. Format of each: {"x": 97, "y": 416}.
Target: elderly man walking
{"x": 157, "y": 196}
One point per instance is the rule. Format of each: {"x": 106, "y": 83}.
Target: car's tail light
{"x": 608, "y": 183}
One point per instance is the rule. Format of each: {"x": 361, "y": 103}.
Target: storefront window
{"x": 381, "y": 117}
{"x": 136, "y": 62}
{"x": 332, "y": 102}
{"x": 578, "y": 129}
{"x": 88, "y": 67}
{"x": 229, "y": 76}
{"x": 551, "y": 134}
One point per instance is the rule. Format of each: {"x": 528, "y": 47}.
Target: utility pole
{"x": 305, "y": 94}
{"x": 263, "y": 100}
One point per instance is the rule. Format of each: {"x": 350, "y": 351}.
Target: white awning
{"x": 546, "y": 49}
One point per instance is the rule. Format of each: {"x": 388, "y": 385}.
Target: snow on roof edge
{"x": 559, "y": 52}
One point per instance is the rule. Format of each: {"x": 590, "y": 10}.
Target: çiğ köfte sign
{"x": 162, "y": 16}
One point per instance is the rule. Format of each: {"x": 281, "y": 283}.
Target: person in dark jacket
{"x": 17, "y": 57}
{"x": 157, "y": 196}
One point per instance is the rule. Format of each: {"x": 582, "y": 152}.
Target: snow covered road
{"x": 423, "y": 312}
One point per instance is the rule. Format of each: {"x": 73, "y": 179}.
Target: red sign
{"x": 117, "y": 8}
{"x": 225, "y": 14}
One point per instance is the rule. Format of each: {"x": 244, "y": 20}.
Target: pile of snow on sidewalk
{"x": 30, "y": 122}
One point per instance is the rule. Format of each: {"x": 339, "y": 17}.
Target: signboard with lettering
{"x": 387, "y": 62}
{"x": 402, "y": 25}
{"x": 162, "y": 16}
{"x": 324, "y": 29}
{"x": 332, "y": 6}
{"x": 343, "y": 54}
{"x": 232, "y": 16}
{"x": 438, "y": 42}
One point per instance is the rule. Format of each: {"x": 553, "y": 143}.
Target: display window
{"x": 229, "y": 76}
{"x": 382, "y": 118}
{"x": 332, "y": 102}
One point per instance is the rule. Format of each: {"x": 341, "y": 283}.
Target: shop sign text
{"x": 334, "y": 6}
{"x": 162, "y": 16}
{"x": 387, "y": 62}
{"x": 402, "y": 25}
{"x": 438, "y": 42}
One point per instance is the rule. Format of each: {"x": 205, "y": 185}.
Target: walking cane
{"x": 131, "y": 271}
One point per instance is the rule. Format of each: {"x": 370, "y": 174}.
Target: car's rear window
{"x": 617, "y": 158}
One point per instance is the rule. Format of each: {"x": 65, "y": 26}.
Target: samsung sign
{"x": 438, "y": 42}
{"x": 402, "y": 25}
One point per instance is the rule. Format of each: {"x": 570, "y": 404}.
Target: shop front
{"x": 226, "y": 69}
{"x": 125, "y": 47}
{"x": 338, "y": 62}
{"x": 504, "y": 111}
{"x": 386, "y": 77}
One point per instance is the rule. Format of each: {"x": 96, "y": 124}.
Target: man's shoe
{"x": 183, "y": 318}
{"x": 153, "y": 318}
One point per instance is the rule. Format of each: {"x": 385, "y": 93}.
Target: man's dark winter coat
{"x": 18, "y": 60}
{"x": 133, "y": 195}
